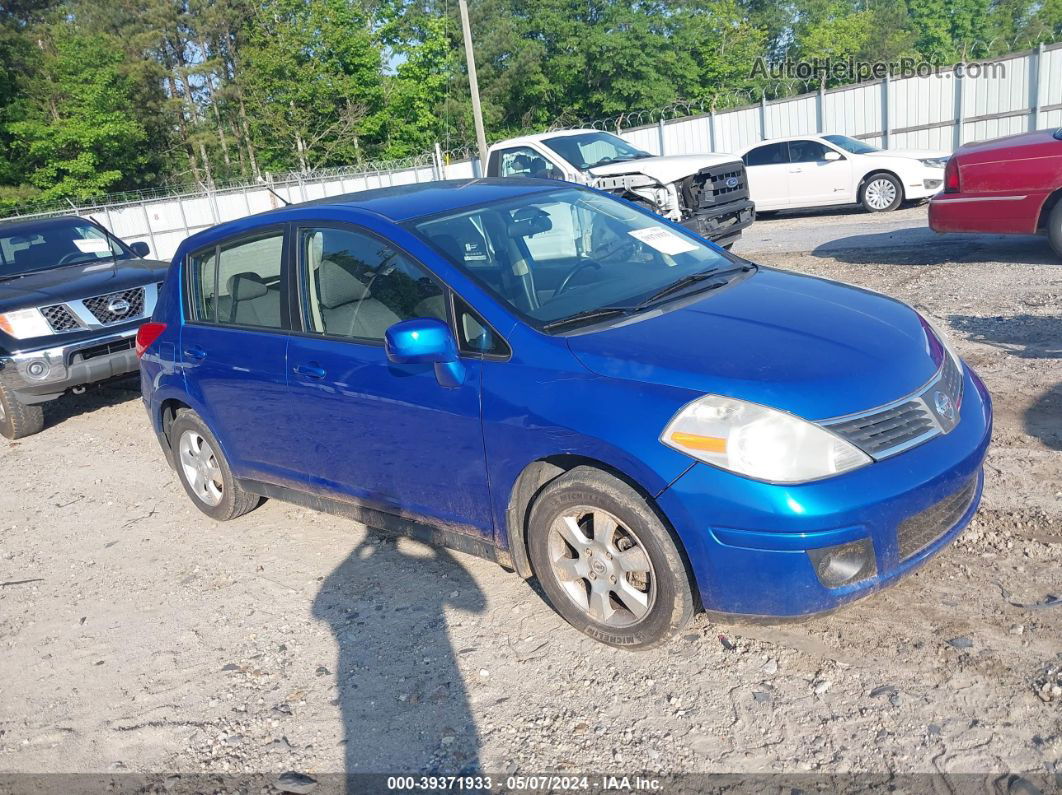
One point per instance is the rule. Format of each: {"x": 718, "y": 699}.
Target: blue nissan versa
{"x": 559, "y": 381}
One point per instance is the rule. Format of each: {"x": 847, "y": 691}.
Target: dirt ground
{"x": 137, "y": 635}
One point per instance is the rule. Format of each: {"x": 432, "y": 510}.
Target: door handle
{"x": 195, "y": 353}
{"x": 311, "y": 370}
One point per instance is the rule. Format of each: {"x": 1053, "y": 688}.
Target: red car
{"x": 1009, "y": 186}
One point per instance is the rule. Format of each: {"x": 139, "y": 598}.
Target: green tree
{"x": 76, "y": 137}
{"x": 312, "y": 73}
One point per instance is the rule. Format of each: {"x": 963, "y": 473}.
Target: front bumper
{"x": 722, "y": 224}
{"x": 929, "y": 183}
{"x": 747, "y": 541}
{"x": 44, "y": 374}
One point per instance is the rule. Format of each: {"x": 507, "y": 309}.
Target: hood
{"x": 83, "y": 280}
{"x": 816, "y": 348}
{"x": 665, "y": 169}
{"x": 913, "y": 154}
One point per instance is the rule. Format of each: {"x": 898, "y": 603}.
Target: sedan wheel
{"x": 602, "y": 566}
{"x": 201, "y": 468}
{"x": 882, "y": 193}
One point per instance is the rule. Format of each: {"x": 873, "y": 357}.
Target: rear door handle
{"x": 195, "y": 353}
{"x": 311, "y": 370}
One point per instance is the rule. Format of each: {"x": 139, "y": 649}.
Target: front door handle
{"x": 195, "y": 353}
{"x": 311, "y": 370}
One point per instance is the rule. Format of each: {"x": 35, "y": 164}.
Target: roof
{"x": 12, "y": 226}
{"x": 403, "y": 202}
{"x": 397, "y": 204}
{"x": 543, "y": 136}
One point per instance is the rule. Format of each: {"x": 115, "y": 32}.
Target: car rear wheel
{"x": 1054, "y": 228}
{"x": 881, "y": 193}
{"x": 17, "y": 420}
{"x": 204, "y": 472}
{"x": 606, "y": 561}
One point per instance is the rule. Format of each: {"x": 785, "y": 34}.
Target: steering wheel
{"x": 73, "y": 254}
{"x": 581, "y": 265}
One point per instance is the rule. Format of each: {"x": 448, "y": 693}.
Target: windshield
{"x": 567, "y": 252}
{"x": 852, "y": 145}
{"x": 38, "y": 247}
{"x": 587, "y": 150}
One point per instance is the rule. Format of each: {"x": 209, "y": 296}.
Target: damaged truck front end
{"x": 708, "y": 193}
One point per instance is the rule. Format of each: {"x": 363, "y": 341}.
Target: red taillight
{"x": 146, "y": 336}
{"x": 951, "y": 176}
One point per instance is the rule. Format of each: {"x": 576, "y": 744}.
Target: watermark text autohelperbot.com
{"x": 851, "y": 70}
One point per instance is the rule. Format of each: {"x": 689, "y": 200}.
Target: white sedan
{"x": 821, "y": 170}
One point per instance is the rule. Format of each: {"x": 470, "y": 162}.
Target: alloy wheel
{"x": 201, "y": 468}
{"x": 880, "y": 193}
{"x": 602, "y": 566}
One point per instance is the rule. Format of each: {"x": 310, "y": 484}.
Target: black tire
{"x": 871, "y": 204}
{"x": 1054, "y": 228}
{"x": 669, "y": 603}
{"x": 17, "y": 420}
{"x": 234, "y": 501}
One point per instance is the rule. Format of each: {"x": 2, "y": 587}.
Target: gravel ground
{"x": 137, "y": 635}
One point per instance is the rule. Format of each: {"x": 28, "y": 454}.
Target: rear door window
{"x": 239, "y": 283}
{"x": 768, "y": 155}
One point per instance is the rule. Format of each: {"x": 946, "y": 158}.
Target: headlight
{"x": 759, "y": 442}
{"x": 25, "y": 323}
{"x": 935, "y": 162}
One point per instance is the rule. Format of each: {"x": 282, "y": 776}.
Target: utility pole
{"x": 473, "y": 83}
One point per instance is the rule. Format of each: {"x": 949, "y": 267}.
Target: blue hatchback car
{"x": 557, "y": 380}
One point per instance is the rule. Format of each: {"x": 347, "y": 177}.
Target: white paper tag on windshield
{"x": 663, "y": 240}
{"x": 93, "y": 245}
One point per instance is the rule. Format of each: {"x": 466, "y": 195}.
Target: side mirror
{"x": 832, "y": 157}
{"x": 140, "y": 248}
{"x": 425, "y": 340}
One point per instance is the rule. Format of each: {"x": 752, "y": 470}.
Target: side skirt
{"x": 387, "y": 522}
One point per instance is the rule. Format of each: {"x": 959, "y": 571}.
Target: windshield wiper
{"x": 587, "y": 314}
{"x": 686, "y": 281}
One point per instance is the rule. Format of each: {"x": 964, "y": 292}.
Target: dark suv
{"x": 72, "y": 297}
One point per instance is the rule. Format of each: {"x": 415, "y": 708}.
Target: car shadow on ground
{"x": 1026, "y": 337}
{"x": 919, "y": 245}
{"x": 404, "y": 704}
{"x": 94, "y": 398}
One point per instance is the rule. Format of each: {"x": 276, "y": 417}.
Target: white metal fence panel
{"x": 799, "y": 116}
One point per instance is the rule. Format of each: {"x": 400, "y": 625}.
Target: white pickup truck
{"x": 706, "y": 193}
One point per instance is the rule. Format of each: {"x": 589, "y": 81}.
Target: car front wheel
{"x": 881, "y": 193}
{"x": 606, "y": 561}
{"x": 204, "y": 472}
{"x": 17, "y": 420}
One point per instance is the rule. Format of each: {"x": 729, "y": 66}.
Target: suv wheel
{"x": 606, "y": 562}
{"x": 1054, "y": 228}
{"x": 18, "y": 420}
{"x": 881, "y": 193}
{"x": 204, "y": 472}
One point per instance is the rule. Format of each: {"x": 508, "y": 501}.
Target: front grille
{"x": 116, "y": 307}
{"x": 900, "y": 426}
{"x": 708, "y": 187}
{"x": 877, "y": 433}
{"x": 107, "y": 348}
{"x": 919, "y": 531}
{"x": 60, "y": 318}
